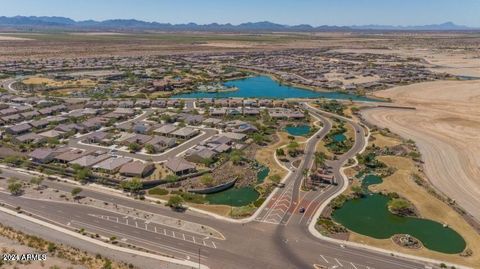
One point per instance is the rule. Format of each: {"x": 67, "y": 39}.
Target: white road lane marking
{"x": 324, "y": 259}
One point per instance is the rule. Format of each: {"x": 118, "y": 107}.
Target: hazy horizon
{"x": 315, "y": 13}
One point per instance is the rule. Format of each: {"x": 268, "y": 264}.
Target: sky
{"x": 314, "y": 12}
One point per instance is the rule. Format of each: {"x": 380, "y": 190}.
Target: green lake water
{"x": 339, "y": 138}
{"x": 370, "y": 216}
{"x": 266, "y": 87}
{"x": 234, "y": 197}
{"x": 262, "y": 174}
{"x": 300, "y": 130}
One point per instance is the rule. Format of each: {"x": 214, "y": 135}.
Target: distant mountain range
{"x": 62, "y": 23}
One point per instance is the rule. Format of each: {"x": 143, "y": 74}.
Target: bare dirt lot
{"x": 446, "y": 127}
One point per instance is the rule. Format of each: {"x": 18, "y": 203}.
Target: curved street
{"x": 278, "y": 237}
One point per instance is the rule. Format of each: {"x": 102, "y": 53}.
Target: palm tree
{"x": 319, "y": 159}
{"x": 305, "y": 175}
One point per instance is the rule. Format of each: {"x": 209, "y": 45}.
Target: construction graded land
{"x": 446, "y": 128}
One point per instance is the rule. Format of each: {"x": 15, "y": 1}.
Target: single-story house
{"x": 180, "y": 166}
{"x": 90, "y": 160}
{"x": 32, "y": 138}
{"x": 112, "y": 165}
{"x": 52, "y": 134}
{"x": 69, "y": 156}
{"x": 166, "y": 129}
{"x": 200, "y": 155}
{"x": 45, "y": 155}
{"x": 137, "y": 169}
{"x": 18, "y": 128}
{"x": 185, "y": 133}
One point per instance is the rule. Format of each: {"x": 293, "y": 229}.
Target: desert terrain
{"x": 445, "y": 126}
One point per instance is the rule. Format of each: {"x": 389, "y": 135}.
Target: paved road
{"x": 7, "y": 85}
{"x": 253, "y": 245}
{"x": 284, "y": 203}
{"x": 205, "y": 134}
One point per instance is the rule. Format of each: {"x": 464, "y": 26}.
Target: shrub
{"x": 158, "y": 191}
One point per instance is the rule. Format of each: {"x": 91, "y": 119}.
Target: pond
{"x": 262, "y": 174}
{"x": 339, "y": 138}
{"x": 233, "y": 197}
{"x": 370, "y": 216}
{"x": 266, "y": 87}
{"x": 299, "y": 130}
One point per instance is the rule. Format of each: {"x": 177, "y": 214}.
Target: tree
{"x": 82, "y": 174}
{"x": 207, "y": 180}
{"x": 208, "y": 161}
{"x": 258, "y": 138}
{"x": 36, "y": 181}
{"x": 75, "y": 192}
{"x": 175, "y": 202}
{"x": 134, "y": 147}
{"x": 280, "y": 152}
{"x": 15, "y": 187}
{"x": 236, "y": 157}
{"x": 401, "y": 207}
{"x": 319, "y": 159}
{"x": 171, "y": 178}
{"x": 305, "y": 176}
{"x": 357, "y": 191}
{"x": 134, "y": 185}
{"x": 293, "y": 148}
{"x": 150, "y": 148}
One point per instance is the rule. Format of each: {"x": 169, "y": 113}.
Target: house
{"x": 235, "y": 136}
{"x": 249, "y": 111}
{"x": 138, "y": 139}
{"x": 185, "y": 133}
{"x": 70, "y": 155}
{"x": 159, "y": 103}
{"x": 216, "y": 112}
{"x": 166, "y": 129}
{"x": 162, "y": 85}
{"x": 30, "y": 115}
{"x": 31, "y": 138}
{"x": 52, "y": 134}
{"x": 191, "y": 119}
{"x": 212, "y": 122}
{"x": 144, "y": 103}
{"x": 162, "y": 142}
{"x": 12, "y": 118}
{"x": 45, "y": 155}
{"x": 8, "y": 111}
{"x": 136, "y": 169}
{"x": 93, "y": 123}
{"x": 200, "y": 154}
{"x": 142, "y": 128}
{"x": 296, "y": 114}
{"x": 180, "y": 166}
{"x": 244, "y": 128}
{"x": 125, "y": 104}
{"x": 71, "y": 128}
{"x": 124, "y": 111}
{"x": 97, "y": 138}
{"x": 90, "y": 160}
{"x": 112, "y": 165}
{"x": 234, "y": 111}
{"x": 40, "y": 124}
{"x": 18, "y": 129}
